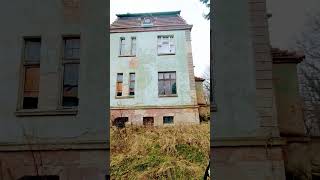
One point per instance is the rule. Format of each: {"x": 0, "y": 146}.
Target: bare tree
{"x": 206, "y": 84}
{"x": 207, "y": 4}
{"x": 309, "y": 73}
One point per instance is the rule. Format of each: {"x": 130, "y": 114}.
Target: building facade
{"x": 52, "y": 59}
{"x": 151, "y": 76}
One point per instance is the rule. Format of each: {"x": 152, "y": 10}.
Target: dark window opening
{"x": 120, "y": 122}
{"x": 30, "y": 103}
{"x": 71, "y": 63}
{"x": 148, "y": 121}
{"x": 168, "y": 120}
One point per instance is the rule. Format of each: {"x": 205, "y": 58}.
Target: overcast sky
{"x": 288, "y": 20}
{"x": 191, "y": 10}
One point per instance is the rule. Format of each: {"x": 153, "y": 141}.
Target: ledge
{"x": 55, "y": 146}
{"x": 168, "y": 96}
{"x": 249, "y": 141}
{"x": 127, "y": 56}
{"x": 166, "y": 54}
{"x": 39, "y": 112}
{"x": 124, "y": 97}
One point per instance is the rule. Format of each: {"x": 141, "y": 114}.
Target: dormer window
{"x": 146, "y": 22}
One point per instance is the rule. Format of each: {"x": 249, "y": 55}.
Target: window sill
{"x": 127, "y": 56}
{"x": 168, "y": 95}
{"x": 165, "y": 54}
{"x": 38, "y": 112}
{"x": 124, "y": 97}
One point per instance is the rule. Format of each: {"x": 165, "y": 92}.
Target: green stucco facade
{"x": 146, "y": 66}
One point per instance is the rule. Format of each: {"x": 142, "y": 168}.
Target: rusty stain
{"x": 133, "y": 63}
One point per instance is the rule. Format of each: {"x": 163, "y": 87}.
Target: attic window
{"x": 146, "y": 22}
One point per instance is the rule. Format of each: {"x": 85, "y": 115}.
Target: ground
{"x": 175, "y": 152}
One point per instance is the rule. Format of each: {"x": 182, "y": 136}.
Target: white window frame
{"x": 171, "y": 45}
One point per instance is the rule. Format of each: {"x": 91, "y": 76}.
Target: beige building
{"x": 53, "y": 62}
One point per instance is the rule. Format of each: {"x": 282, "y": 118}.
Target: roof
{"x": 198, "y": 79}
{"x": 149, "y": 14}
{"x": 285, "y": 56}
{"x": 161, "y": 21}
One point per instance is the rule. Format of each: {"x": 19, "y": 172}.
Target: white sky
{"x": 288, "y": 20}
{"x": 191, "y": 10}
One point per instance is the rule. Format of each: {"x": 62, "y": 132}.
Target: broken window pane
{"x": 122, "y": 46}
{"x": 133, "y": 46}
{"x": 131, "y": 83}
{"x": 161, "y": 87}
{"x": 70, "y": 85}
{"x": 167, "y": 119}
{"x": 119, "y": 77}
{"x": 31, "y": 87}
{"x": 160, "y": 75}
{"x": 72, "y": 48}
{"x": 173, "y": 88}
{"x": 119, "y": 84}
{"x": 32, "y": 50}
{"x": 167, "y": 76}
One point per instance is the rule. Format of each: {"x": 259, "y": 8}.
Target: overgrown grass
{"x": 175, "y": 152}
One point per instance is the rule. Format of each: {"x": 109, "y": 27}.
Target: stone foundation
{"x": 181, "y": 115}
{"x": 250, "y": 163}
{"x": 72, "y": 164}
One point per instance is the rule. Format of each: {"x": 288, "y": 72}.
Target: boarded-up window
{"x": 31, "y": 62}
{"x": 166, "y": 45}
{"x": 71, "y": 63}
{"x": 168, "y": 120}
{"x": 119, "y": 84}
{"x": 167, "y": 83}
{"x": 131, "y": 83}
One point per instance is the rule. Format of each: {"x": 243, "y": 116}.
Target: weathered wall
{"x": 248, "y": 163}
{"x": 46, "y": 19}
{"x": 68, "y": 165}
{"x": 182, "y": 115}
{"x": 86, "y": 127}
{"x": 235, "y": 83}
{"x": 245, "y": 139}
{"x": 146, "y": 65}
{"x": 289, "y": 110}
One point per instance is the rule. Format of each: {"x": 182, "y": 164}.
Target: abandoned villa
{"x": 151, "y": 76}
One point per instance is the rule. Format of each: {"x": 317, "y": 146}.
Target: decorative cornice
{"x": 155, "y": 107}
{"x": 284, "y": 56}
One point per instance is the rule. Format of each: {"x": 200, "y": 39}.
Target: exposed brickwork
{"x": 181, "y": 115}
{"x": 263, "y": 60}
{"x": 191, "y": 68}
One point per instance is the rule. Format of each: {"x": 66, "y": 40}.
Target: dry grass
{"x": 176, "y": 152}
